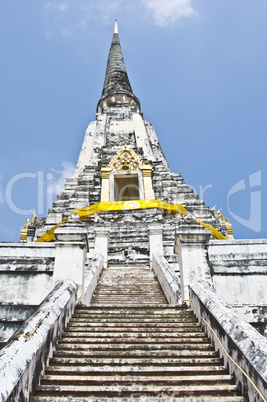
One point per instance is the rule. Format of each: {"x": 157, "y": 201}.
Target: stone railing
{"x": 167, "y": 278}
{"x": 24, "y": 358}
{"x": 237, "y": 341}
{"x": 91, "y": 277}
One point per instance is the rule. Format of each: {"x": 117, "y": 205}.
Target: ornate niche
{"x": 126, "y": 177}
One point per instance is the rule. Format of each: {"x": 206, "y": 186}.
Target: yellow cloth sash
{"x": 127, "y": 205}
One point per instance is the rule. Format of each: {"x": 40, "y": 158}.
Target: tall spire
{"x": 116, "y": 79}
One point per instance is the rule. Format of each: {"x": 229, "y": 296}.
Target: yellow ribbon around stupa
{"x": 85, "y": 212}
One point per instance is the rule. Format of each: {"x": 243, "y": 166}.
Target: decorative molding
{"x": 125, "y": 159}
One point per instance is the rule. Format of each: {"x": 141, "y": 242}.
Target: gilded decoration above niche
{"x": 126, "y": 159}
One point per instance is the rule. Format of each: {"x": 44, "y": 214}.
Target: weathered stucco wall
{"x": 239, "y": 273}
{"x": 26, "y": 271}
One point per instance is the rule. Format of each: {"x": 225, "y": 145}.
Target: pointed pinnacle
{"x": 116, "y": 27}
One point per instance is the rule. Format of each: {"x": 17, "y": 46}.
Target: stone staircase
{"x": 129, "y": 344}
{"x": 128, "y": 285}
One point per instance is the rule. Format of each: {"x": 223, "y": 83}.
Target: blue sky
{"x": 199, "y": 69}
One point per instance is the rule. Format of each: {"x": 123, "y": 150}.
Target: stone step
{"x": 166, "y": 308}
{"x": 149, "y": 288}
{"x": 142, "y": 290}
{"x": 130, "y": 278}
{"x": 141, "y": 324}
{"x": 132, "y": 329}
{"x": 125, "y": 279}
{"x": 127, "y": 321}
{"x": 133, "y": 369}
{"x": 122, "y": 265}
{"x": 180, "y": 325}
{"x": 139, "y": 346}
{"x": 95, "y": 318}
{"x": 124, "y": 300}
{"x": 132, "y": 311}
{"x": 137, "y": 361}
{"x": 112, "y": 390}
{"x": 129, "y": 273}
{"x": 143, "y": 296}
{"x": 130, "y": 399}
{"x": 148, "y": 298}
{"x": 128, "y": 298}
{"x": 128, "y": 239}
{"x": 121, "y": 286}
{"x": 114, "y": 258}
{"x": 138, "y": 290}
{"x": 163, "y": 311}
{"x": 130, "y": 293}
{"x": 133, "y": 334}
{"x": 145, "y": 299}
{"x": 137, "y": 339}
{"x": 156, "y": 292}
{"x": 129, "y": 379}
{"x": 128, "y": 269}
{"x": 146, "y": 272}
{"x": 128, "y": 231}
{"x": 109, "y": 303}
{"x": 163, "y": 354}
{"x": 127, "y": 288}
{"x": 136, "y": 311}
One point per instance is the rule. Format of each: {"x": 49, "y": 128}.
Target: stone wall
{"x": 239, "y": 274}
{"x": 26, "y": 271}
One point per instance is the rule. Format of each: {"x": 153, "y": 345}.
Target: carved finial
{"x": 24, "y": 231}
{"x": 116, "y": 27}
{"x": 33, "y": 217}
{"x": 221, "y": 218}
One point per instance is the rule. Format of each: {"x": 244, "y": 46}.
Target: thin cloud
{"x": 73, "y": 18}
{"x": 169, "y": 11}
{"x": 62, "y": 6}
